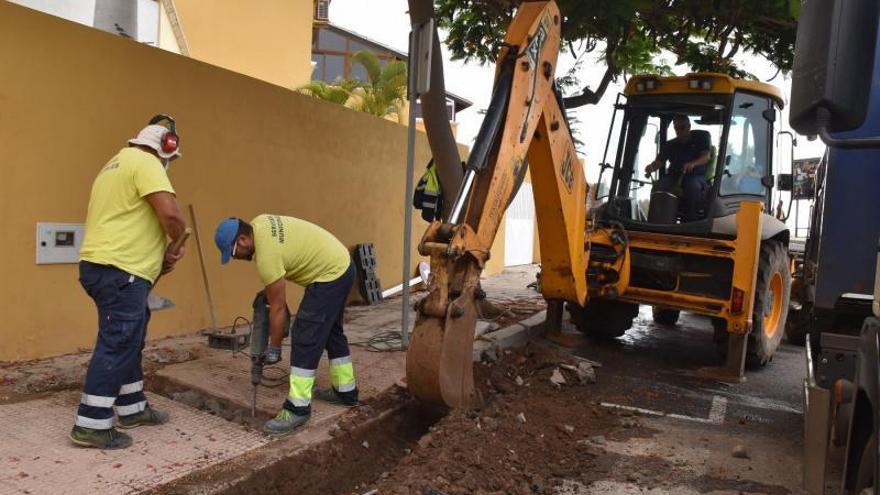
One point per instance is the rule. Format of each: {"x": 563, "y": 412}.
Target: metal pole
{"x": 407, "y": 208}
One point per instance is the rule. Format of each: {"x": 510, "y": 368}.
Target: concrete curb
{"x": 514, "y": 335}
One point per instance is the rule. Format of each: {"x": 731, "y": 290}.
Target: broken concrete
{"x": 228, "y": 379}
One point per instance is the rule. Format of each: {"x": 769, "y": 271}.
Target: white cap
{"x": 151, "y": 137}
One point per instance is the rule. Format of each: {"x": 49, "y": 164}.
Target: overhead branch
{"x": 588, "y": 96}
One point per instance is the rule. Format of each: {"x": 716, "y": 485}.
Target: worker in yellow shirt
{"x": 287, "y": 248}
{"x": 132, "y": 213}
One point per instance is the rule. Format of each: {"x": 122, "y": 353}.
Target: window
{"x": 647, "y": 150}
{"x": 746, "y": 160}
{"x": 334, "y": 68}
{"x": 330, "y": 41}
{"x": 358, "y": 72}
{"x": 356, "y": 47}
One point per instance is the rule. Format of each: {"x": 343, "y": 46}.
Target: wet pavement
{"x": 653, "y": 372}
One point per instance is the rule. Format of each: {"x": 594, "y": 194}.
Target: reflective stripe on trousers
{"x": 342, "y": 374}
{"x": 301, "y": 382}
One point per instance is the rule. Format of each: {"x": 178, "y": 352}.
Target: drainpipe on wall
{"x": 434, "y": 115}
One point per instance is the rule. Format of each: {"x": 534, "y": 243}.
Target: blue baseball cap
{"x": 224, "y": 238}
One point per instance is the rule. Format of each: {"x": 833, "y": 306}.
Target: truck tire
{"x": 770, "y": 309}
{"x": 665, "y": 316}
{"x": 602, "y": 318}
{"x": 865, "y": 482}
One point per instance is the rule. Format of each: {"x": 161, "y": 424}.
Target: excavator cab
{"x": 736, "y": 116}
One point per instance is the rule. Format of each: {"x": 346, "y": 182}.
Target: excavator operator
{"x": 688, "y": 155}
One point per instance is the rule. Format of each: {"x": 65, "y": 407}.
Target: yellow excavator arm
{"x": 524, "y": 128}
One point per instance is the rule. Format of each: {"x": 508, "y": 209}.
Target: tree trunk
{"x": 434, "y": 116}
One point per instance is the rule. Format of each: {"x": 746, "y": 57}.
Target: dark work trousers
{"x": 114, "y": 377}
{"x": 318, "y": 326}
{"x": 693, "y": 192}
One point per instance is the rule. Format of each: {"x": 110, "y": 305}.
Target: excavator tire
{"x": 772, "y": 293}
{"x": 603, "y": 319}
{"x": 770, "y": 310}
{"x": 665, "y": 316}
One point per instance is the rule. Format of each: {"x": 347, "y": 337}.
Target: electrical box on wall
{"x": 59, "y": 242}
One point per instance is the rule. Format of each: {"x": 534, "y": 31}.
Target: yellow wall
{"x": 267, "y": 39}
{"x": 77, "y": 94}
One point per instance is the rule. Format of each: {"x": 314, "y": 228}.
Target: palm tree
{"x": 335, "y": 93}
{"x": 385, "y": 92}
{"x": 382, "y": 95}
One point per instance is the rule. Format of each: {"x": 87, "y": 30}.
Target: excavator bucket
{"x": 439, "y": 362}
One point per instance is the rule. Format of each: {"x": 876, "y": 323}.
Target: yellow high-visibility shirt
{"x": 297, "y": 250}
{"x": 122, "y": 229}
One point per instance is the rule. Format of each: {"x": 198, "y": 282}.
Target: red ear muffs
{"x": 170, "y": 141}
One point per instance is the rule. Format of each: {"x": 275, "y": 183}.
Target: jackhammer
{"x": 260, "y": 340}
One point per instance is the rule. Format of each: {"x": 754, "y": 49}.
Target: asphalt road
{"x": 658, "y": 372}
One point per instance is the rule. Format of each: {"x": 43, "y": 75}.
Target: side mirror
{"x": 833, "y": 64}
{"x": 767, "y": 181}
{"x": 785, "y": 182}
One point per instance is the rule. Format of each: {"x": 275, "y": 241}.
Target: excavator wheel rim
{"x": 771, "y": 318}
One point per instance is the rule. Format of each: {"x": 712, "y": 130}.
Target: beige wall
{"x": 77, "y": 94}
{"x": 267, "y": 39}
{"x": 167, "y": 36}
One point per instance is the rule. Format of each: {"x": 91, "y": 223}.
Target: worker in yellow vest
{"x": 287, "y": 248}
{"x": 132, "y": 214}
{"x": 427, "y": 197}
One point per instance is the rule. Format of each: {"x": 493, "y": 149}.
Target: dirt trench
{"x": 538, "y": 426}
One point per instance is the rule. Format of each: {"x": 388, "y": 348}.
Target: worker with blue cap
{"x": 286, "y": 248}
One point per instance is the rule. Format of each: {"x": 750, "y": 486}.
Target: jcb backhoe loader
{"x": 731, "y": 264}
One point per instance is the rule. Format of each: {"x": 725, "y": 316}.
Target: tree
{"x": 338, "y": 93}
{"x": 385, "y": 92}
{"x": 705, "y": 35}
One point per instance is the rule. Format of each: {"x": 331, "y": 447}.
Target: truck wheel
{"x": 602, "y": 318}
{"x": 665, "y": 316}
{"x": 772, "y": 292}
{"x": 865, "y": 478}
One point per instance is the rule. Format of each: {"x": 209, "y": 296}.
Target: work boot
{"x": 111, "y": 439}
{"x": 332, "y": 396}
{"x": 147, "y": 417}
{"x": 284, "y": 422}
